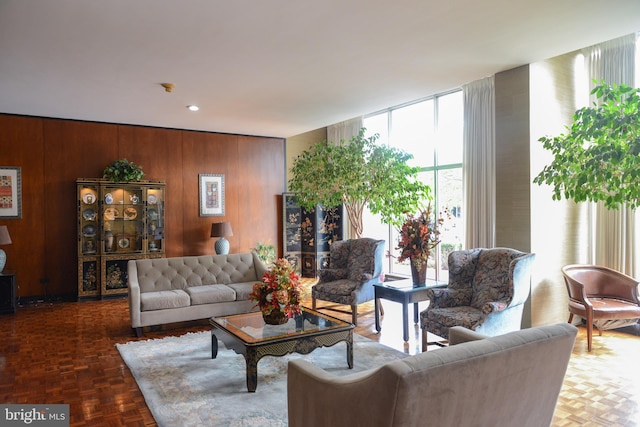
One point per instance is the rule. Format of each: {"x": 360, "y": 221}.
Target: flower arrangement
{"x": 418, "y": 236}
{"x": 279, "y": 290}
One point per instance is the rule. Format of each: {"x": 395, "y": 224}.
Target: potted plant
{"x": 123, "y": 171}
{"x": 278, "y": 293}
{"x": 266, "y": 252}
{"x": 418, "y": 236}
{"x": 356, "y": 174}
{"x": 598, "y": 159}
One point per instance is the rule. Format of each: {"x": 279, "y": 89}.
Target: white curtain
{"x": 336, "y": 133}
{"x": 344, "y": 130}
{"x": 614, "y": 242}
{"x": 479, "y": 168}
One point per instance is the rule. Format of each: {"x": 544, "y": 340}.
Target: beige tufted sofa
{"x": 168, "y": 290}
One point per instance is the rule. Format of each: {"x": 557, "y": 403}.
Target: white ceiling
{"x": 273, "y": 67}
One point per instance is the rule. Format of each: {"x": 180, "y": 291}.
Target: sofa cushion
{"x": 242, "y": 290}
{"x": 207, "y": 294}
{"x": 161, "y": 300}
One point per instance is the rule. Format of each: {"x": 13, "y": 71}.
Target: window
{"x": 431, "y": 130}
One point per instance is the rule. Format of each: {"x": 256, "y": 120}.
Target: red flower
{"x": 418, "y": 236}
{"x": 278, "y": 290}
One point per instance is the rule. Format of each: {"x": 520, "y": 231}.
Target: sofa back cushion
{"x": 161, "y": 274}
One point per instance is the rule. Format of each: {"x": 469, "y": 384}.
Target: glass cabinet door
{"x": 88, "y": 239}
{"x": 155, "y": 219}
{"x": 123, "y": 219}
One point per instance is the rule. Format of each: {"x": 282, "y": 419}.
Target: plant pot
{"x": 419, "y": 273}
{"x": 276, "y": 317}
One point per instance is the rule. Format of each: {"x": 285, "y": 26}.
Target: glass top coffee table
{"x": 247, "y": 334}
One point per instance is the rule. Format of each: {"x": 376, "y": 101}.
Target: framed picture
{"x": 10, "y": 192}
{"x": 211, "y": 194}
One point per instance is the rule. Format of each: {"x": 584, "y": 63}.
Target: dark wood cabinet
{"x": 7, "y": 292}
{"x": 117, "y": 222}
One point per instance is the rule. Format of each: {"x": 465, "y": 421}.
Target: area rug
{"x": 183, "y": 386}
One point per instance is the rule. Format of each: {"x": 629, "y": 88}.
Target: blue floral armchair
{"x": 355, "y": 266}
{"x": 486, "y": 293}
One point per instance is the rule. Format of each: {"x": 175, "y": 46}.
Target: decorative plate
{"x": 108, "y": 198}
{"x": 89, "y": 198}
{"x": 153, "y": 214}
{"x": 88, "y": 230}
{"x": 111, "y": 213}
{"x": 123, "y": 243}
{"x": 152, "y": 199}
{"x": 89, "y": 214}
{"x": 130, "y": 213}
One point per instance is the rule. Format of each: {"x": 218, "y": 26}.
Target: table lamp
{"x": 221, "y": 229}
{"x": 5, "y": 239}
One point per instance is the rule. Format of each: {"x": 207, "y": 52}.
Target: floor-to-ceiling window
{"x": 431, "y": 130}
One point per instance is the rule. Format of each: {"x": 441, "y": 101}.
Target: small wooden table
{"x": 247, "y": 334}
{"x": 404, "y": 292}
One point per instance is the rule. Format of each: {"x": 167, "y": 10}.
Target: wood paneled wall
{"x": 54, "y": 153}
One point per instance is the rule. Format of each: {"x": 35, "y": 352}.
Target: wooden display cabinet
{"x": 116, "y": 222}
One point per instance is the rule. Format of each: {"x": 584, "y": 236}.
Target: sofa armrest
{"x": 494, "y": 306}
{"x": 314, "y": 395}
{"x": 459, "y": 335}
{"x": 259, "y": 266}
{"x": 134, "y": 294}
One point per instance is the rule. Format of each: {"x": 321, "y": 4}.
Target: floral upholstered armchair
{"x": 486, "y": 293}
{"x": 355, "y": 266}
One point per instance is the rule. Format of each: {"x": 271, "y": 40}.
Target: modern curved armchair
{"x": 486, "y": 293}
{"x": 603, "y": 297}
{"x": 355, "y": 266}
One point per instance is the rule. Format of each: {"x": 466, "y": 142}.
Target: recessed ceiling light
{"x": 193, "y": 107}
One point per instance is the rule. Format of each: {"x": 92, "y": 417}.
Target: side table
{"x": 404, "y": 292}
{"x": 7, "y": 292}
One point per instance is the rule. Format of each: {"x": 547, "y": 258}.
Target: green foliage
{"x": 358, "y": 173}
{"x": 123, "y": 171}
{"x": 599, "y": 158}
{"x": 266, "y": 252}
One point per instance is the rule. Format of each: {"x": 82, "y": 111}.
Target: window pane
{"x": 449, "y": 198}
{"x": 412, "y": 131}
{"x": 378, "y": 124}
{"x": 450, "y": 128}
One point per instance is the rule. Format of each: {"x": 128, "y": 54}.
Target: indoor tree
{"x": 598, "y": 159}
{"x": 358, "y": 173}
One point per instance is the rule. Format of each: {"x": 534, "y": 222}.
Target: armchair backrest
{"x": 357, "y": 257}
{"x": 339, "y": 254}
{"x": 491, "y": 275}
{"x": 584, "y": 281}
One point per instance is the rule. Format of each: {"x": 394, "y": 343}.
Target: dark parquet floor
{"x": 64, "y": 352}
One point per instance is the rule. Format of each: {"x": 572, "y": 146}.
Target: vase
{"x": 276, "y": 317}
{"x": 419, "y": 272}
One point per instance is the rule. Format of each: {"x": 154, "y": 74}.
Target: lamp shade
{"x": 5, "y": 239}
{"x": 221, "y": 229}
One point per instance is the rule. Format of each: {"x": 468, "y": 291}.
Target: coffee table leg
{"x": 252, "y": 371}
{"x": 350, "y": 351}
{"x": 415, "y": 312}
{"x": 214, "y": 346}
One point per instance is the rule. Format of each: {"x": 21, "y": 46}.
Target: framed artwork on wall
{"x": 10, "y": 192}
{"x": 211, "y": 194}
